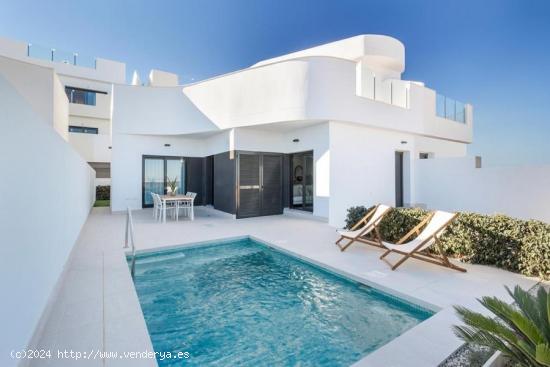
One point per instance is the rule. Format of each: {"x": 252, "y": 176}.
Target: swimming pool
{"x": 242, "y": 303}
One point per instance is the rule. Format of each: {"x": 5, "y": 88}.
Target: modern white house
{"x": 82, "y": 95}
{"x": 318, "y": 130}
{"x": 304, "y": 131}
{"x": 308, "y": 134}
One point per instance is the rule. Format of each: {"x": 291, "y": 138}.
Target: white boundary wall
{"x": 47, "y": 191}
{"x": 455, "y": 184}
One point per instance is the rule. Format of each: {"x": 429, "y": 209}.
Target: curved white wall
{"x": 156, "y": 110}
{"x": 307, "y": 89}
{"x": 318, "y": 89}
{"x": 383, "y": 54}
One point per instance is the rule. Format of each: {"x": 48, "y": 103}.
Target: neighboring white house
{"x": 320, "y": 130}
{"x": 83, "y": 84}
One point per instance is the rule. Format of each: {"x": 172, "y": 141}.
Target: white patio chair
{"x": 157, "y": 206}
{"x": 435, "y": 224}
{"x": 161, "y": 207}
{"x": 362, "y": 228}
{"x": 187, "y": 205}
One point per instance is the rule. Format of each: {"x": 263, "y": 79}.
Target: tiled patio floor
{"x": 97, "y": 308}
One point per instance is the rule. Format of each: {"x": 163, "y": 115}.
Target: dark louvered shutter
{"x": 249, "y": 185}
{"x": 272, "y": 195}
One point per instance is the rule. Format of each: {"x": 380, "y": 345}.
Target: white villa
{"x": 298, "y": 131}
{"x": 299, "y": 138}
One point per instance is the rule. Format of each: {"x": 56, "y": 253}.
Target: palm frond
{"x": 543, "y": 354}
{"x": 514, "y": 319}
{"x": 520, "y": 331}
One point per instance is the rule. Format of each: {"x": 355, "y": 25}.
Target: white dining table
{"x": 177, "y": 199}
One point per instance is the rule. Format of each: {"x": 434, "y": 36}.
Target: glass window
{"x": 175, "y": 170}
{"x": 424, "y": 155}
{"x": 83, "y": 129}
{"x": 157, "y": 172}
{"x": 153, "y": 178}
{"x": 81, "y": 96}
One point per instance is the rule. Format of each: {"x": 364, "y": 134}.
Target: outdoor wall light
{"x": 110, "y": 148}
{"x": 295, "y": 140}
{"x": 403, "y": 142}
{"x": 166, "y": 145}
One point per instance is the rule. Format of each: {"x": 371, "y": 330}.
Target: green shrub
{"x": 355, "y": 214}
{"x": 508, "y": 243}
{"x": 103, "y": 192}
{"x": 398, "y": 223}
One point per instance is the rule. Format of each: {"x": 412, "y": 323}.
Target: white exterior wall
{"x": 362, "y": 170}
{"x": 102, "y": 109}
{"x": 31, "y": 83}
{"x": 383, "y": 54}
{"x": 60, "y": 108}
{"x": 317, "y": 89}
{"x": 156, "y": 111}
{"x": 48, "y": 190}
{"x": 455, "y": 184}
{"x": 92, "y": 147}
{"x": 41, "y": 88}
{"x": 158, "y": 78}
{"x": 105, "y": 70}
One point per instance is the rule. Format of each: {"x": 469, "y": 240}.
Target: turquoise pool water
{"x": 241, "y": 303}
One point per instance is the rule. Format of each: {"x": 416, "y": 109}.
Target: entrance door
{"x": 259, "y": 184}
{"x": 301, "y": 181}
{"x": 398, "y": 179}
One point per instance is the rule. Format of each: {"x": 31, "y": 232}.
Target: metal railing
{"x": 129, "y": 239}
{"x": 64, "y": 57}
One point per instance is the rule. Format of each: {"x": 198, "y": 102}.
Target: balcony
{"x": 450, "y": 109}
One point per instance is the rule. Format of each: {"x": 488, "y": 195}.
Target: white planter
{"x": 496, "y": 360}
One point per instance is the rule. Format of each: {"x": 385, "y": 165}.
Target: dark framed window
{"x": 82, "y": 96}
{"x": 83, "y": 129}
{"x": 425, "y": 155}
{"x": 157, "y": 171}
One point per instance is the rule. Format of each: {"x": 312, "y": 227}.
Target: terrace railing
{"x": 64, "y": 57}
{"x": 450, "y": 109}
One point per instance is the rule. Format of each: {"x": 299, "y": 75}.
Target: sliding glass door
{"x": 153, "y": 179}
{"x": 301, "y": 181}
{"x": 175, "y": 170}
{"x": 157, "y": 171}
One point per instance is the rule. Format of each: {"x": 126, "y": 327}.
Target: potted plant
{"x": 521, "y": 332}
{"x": 172, "y": 186}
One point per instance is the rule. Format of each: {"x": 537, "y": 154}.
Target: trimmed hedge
{"x": 103, "y": 192}
{"x": 521, "y": 246}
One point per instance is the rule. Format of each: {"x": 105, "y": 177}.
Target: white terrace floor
{"x": 97, "y": 307}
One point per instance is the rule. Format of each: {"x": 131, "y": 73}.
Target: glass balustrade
{"x": 450, "y": 109}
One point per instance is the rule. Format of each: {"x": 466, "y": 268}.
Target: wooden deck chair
{"x": 363, "y": 227}
{"x": 437, "y": 222}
